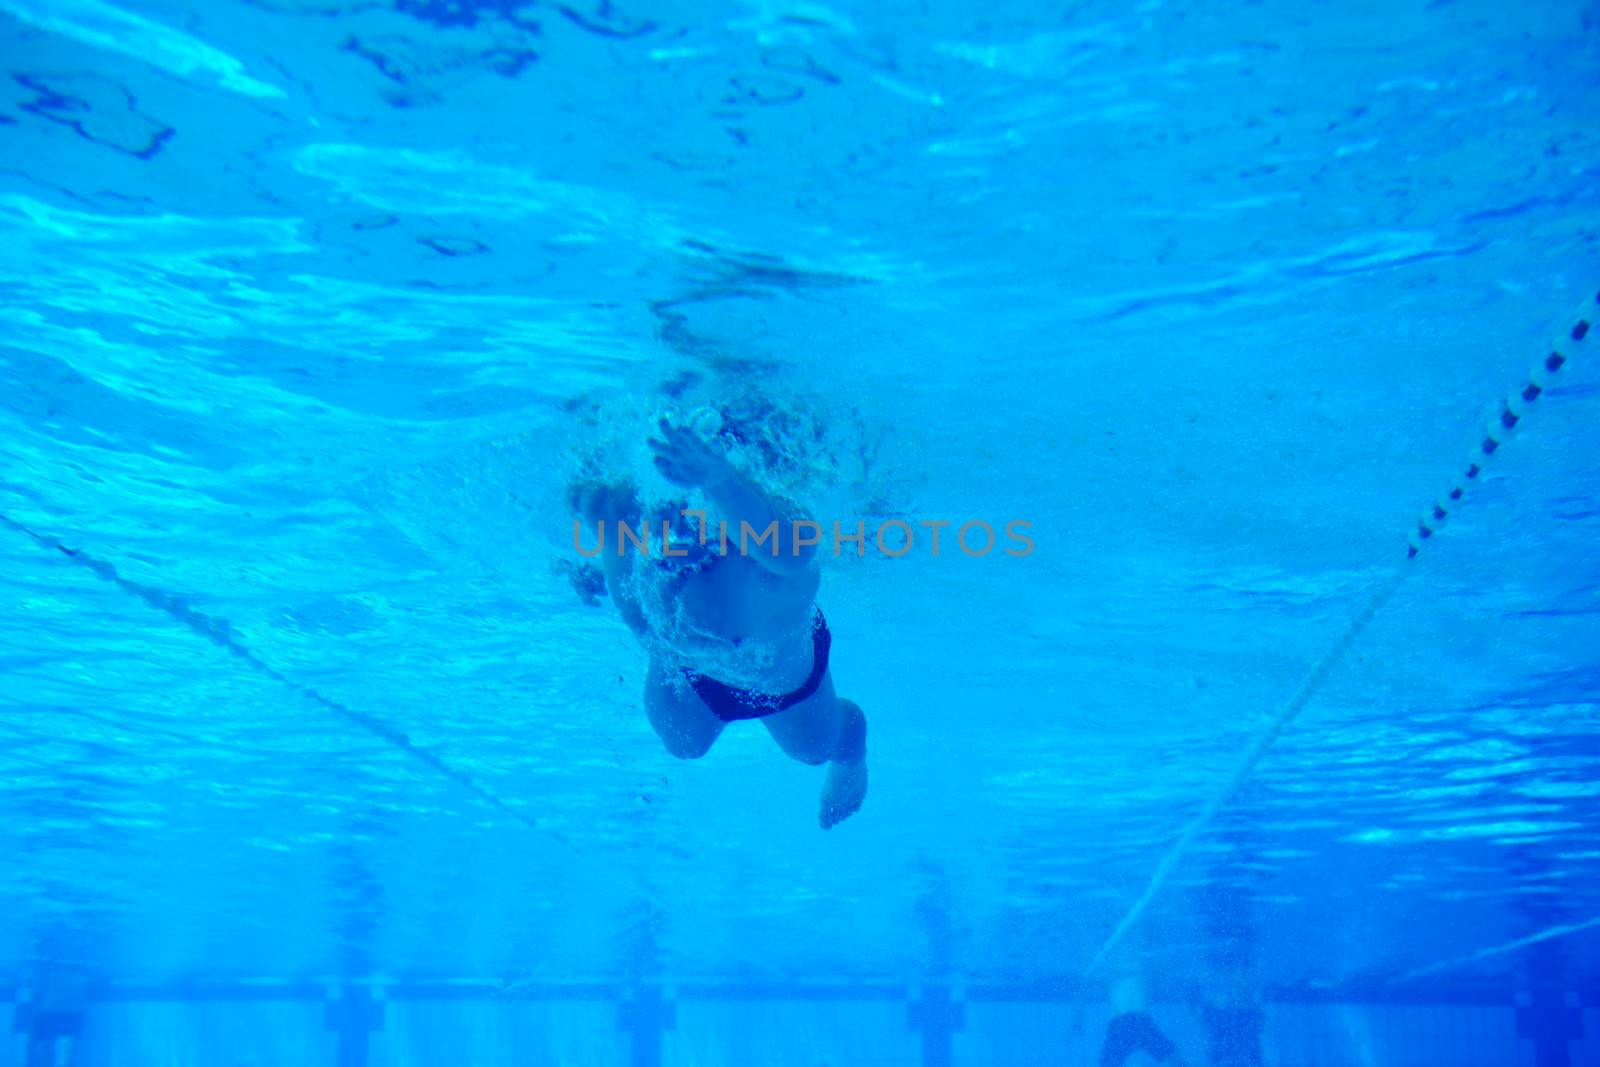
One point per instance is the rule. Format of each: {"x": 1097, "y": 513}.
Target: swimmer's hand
{"x": 688, "y": 461}
{"x": 599, "y": 502}
{"x": 684, "y": 459}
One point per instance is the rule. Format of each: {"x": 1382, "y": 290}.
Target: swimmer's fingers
{"x": 669, "y": 441}
{"x": 674, "y": 442}
{"x": 682, "y": 456}
{"x": 666, "y": 454}
{"x": 674, "y": 473}
{"x": 695, "y": 443}
{"x": 671, "y": 436}
{"x": 681, "y": 437}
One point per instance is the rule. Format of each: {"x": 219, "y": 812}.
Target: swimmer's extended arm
{"x": 688, "y": 461}
{"x": 741, "y": 501}
{"x": 618, "y": 570}
{"x": 597, "y": 504}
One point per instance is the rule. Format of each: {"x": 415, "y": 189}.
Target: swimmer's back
{"x": 736, "y": 620}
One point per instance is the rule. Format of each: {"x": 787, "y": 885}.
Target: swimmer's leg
{"x": 682, "y": 721}
{"x": 827, "y": 729}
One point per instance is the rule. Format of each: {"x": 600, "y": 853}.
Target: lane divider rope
{"x": 219, "y": 633}
{"x": 1513, "y": 410}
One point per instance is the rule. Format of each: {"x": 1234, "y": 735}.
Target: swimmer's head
{"x": 751, "y": 426}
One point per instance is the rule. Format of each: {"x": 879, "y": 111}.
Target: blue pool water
{"x": 314, "y": 309}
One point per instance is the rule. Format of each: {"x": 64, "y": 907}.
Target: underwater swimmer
{"x": 732, "y": 635}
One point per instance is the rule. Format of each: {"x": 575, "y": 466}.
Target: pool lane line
{"x": 1505, "y": 425}
{"x": 219, "y": 633}
{"x": 1513, "y": 410}
{"x": 1548, "y": 934}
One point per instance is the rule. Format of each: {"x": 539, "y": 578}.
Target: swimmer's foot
{"x": 843, "y": 792}
{"x": 846, "y": 786}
